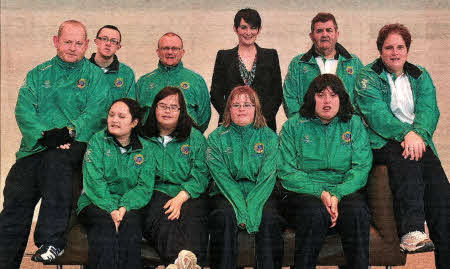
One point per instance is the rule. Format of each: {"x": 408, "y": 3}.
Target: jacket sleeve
{"x": 292, "y": 177}
{"x": 204, "y": 106}
{"x": 219, "y": 84}
{"x": 377, "y": 113}
{"x": 90, "y": 119}
{"x": 291, "y": 89}
{"x": 94, "y": 182}
{"x": 265, "y": 182}
{"x": 199, "y": 175}
{"x": 356, "y": 177}
{"x": 276, "y": 89}
{"x": 224, "y": 180}
{"x": 27, "y": 113}
{"x": 141, "y": 193}
{"x": 426, "y": 108}
{"x": 131, "y": 92}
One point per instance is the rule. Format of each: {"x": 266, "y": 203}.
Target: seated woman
{"x": 118, "y": 179}
{"x": 398, "y": 102}
{"x": 325, "y": 161}
{"x": 248, "y": 64}
{"x": 177, "y": 215}
{"x": 242, "y": 157}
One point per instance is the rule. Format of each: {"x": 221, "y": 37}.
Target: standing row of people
{"x": 324, "y": 151}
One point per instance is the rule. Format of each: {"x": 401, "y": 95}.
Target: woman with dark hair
{"x": 398, "y": 102}
{"x": 248, "y": 64}
{"x": 118, "y": 179}
{"x": 242, "y": 156}
{"x": 176, "y": 217}
{"x": 325, "y": 161}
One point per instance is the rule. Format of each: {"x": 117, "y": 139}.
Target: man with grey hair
{"x": 58, "y": 109}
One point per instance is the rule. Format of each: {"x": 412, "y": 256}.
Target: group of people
{"x": 151, "y": 173}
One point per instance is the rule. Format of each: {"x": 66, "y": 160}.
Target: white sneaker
{"x": 415, "y": 242}
{"x": 47, "y": 254}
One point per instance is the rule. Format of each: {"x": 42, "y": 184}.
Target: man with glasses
{"x": 58, "y": 109}
{"x": 171, "y": 72}
{"x": 120, "y": 78}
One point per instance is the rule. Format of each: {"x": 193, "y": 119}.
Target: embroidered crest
{"x": 81, "y": 83}
{"x": 364, "y": 83}
{"x": 305, "y": 69}
{"x": 307, "y": 139}
{"x": 259, "y": 148}
{"x": 185, "y": 149}
{"x": 185, "y": 85}
{"x": 47, "y": 84}
{"x": 118, "y": 82}
{"x": 347, "y": 137}
{"x": 349, "y": 70}
{"x": 151, "y": 85}
{"x": 138, "y": 159}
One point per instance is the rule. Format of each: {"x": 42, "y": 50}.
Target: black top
{"x": 267, "y": 81}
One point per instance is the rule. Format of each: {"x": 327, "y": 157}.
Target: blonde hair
{"x": 259, "y": 120}
{"x": 72, "y": 22}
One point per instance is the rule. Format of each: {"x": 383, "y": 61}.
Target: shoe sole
{"x": 425, "y": 248}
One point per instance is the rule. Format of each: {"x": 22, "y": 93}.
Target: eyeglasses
{"x": 174, "y": 49}
{"x": 164, "y": 107}
{"x": 105, "y": 39}
{"x": 68, "y": 43}
{"x": 245, "y": 106}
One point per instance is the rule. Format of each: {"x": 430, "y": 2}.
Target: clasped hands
{"x": 413, "y": 146}
{"x": 117, "y": 216}
{"x": 331, "y": 204}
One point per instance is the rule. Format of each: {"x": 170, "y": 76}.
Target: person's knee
{"x": 220, "y": 218}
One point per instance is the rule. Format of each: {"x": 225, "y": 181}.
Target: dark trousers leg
{"x": 21, "y": 195}
{"x": 109, "y": 249}
{"x": 169, "y": 237}
{"x": 269, "y": 238}
{"x": 353, "y": 226}
{"x": 223, "y": 234}
{"x": 311, "y": 220}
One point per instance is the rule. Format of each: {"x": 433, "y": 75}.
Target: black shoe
{"x": 47, "y": 254}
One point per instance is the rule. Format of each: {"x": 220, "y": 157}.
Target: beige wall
{"x": 27, "y": 28}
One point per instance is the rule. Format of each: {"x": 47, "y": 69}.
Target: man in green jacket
{"x": 325, "y": 56}
{"x": 58, "y": 110}
{"x": 120, "y": 78}
{"x": 171, "y": 72}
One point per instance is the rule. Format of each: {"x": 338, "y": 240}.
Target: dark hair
{"x": 183, "y": 129}
{"x": 396, "y": 28}
{"x": 133, "y": 106}
{"x": 250, "y": 16}
{"x": 320, "y": 83}
{"x": 323, "y": 17}
{"x": 109, "y": 27}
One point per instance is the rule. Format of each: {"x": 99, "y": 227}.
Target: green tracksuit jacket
{"x": 119, "y": 78}
{"x": 304, "y": 68}
{"x": 373, "y": 99}
{"x": 316, "y": 157}
{"x": 181, "y": 165}
{"x": 112, "y": 179}
{"x": 191, "y": 84}
{"x": 56, "y": 94}
{"x": 242, "y": 162}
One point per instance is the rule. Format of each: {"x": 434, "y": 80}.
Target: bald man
{"x": 59, "y": 107}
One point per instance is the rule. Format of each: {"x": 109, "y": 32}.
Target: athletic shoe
{"x": 47, "y": 254}
{"x": 416, "y": 242}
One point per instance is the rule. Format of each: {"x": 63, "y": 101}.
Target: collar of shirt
{"x": 402, "y": 102}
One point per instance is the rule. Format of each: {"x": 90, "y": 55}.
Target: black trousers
{"x": 421, "y": 192}
{"x": 46, "y": 175}
{"x": 224, "y": 230}
{"x": 109, "y": 249}
{"x": 169, "y": 237}
{"x": 311, "y": 220}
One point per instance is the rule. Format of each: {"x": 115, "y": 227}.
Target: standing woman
{"x": 177, "y": 215}
{"x": 118, "y": 179}
{"x": 325, "y": 161}
{"x": 398, "y": 101}
{"x": 248, "y": 64}
{"x": 242, "y": 157}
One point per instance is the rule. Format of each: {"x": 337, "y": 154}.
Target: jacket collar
{"x": 409, "y": 68}
{"x": 68, "y": 66}
{"x": 113, "y": 67}
{"x": 176, "y": 68}
{"x": 340, "y": 50}
{"x": 135, "y": 143}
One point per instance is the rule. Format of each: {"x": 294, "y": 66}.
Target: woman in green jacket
{"x": 176, "y": 217}
{"x": 325, "y": 161}
{"x": 118, "y": 179}
{"x": 242, "y": 157}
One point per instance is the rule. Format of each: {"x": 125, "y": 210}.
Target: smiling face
{"x": 327, "y": 105}
{"x": 242, "y": 110}
{"x": 120, "y": 122}
{"x": 71, "y": 44}
{"x": 107, "y": 48}
{"x": 170, "y": 50}
{"x": 324, "y": 37}
{"x": 167, "y": 112}
{"x": 246, "y": 33}
{"x": 394, "y": 53}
